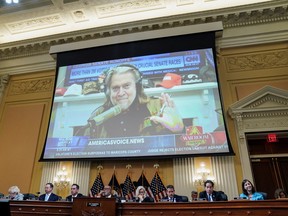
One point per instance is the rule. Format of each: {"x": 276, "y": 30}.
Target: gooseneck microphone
{"x": 101, "y": 118}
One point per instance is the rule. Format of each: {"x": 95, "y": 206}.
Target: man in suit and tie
{"x": 171, "y": 196}
{"x": 48, "y": 196}
{"x": 74, "y": 193}
{"x": 209, "y": 194}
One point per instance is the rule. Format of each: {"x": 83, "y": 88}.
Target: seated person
{"x": 14, "y": 193}
{"x": 171, "y": 196}
{"x": 249, "y": 191}
{"x": 141, "y": 195}
{"x": 49, "y": 196}
{"x": 210, "y": 194}
{"x": 74, "y": 193}
{"x": 280, "y": 194}
{"x": 107, "y": 193}
{"x": 194, "y": 196}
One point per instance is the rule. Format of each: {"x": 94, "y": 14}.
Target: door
{"x": 270, "y": 174}
{"x": 269, "y": 161}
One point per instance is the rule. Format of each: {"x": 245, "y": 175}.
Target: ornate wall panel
{"x": 257, "y": 61}
{"x": 31, "y": 86}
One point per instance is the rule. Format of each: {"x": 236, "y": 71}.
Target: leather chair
{"x": 263, "y": 194}
{"x": 224, "y": 197}
{"x": 184, "y": 198}
{"x": 29, "y": 196}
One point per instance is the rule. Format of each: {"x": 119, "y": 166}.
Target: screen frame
{"x": 138, "y": 47}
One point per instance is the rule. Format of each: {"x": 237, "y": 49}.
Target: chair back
{"x": 184, "y": 198}
{"x": 223, "y": 196}
{"x": 29, "y": 196}
{"x": 264, "y": 194}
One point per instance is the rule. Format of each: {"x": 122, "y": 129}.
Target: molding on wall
{"x": 233, "y": 20}
{"x": 263, "y": 110}
{"x": 4, "y": 79}
{"x": 31, "y": 86}
{"x": 19, "y": 68}
{"x": 259, "y": 61}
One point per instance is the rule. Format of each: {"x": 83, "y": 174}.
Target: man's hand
{"x": 100, "y": 194}
{"x": 168, "y": 116}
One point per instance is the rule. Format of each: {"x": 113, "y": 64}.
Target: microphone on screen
{"x": 101, "y": 118}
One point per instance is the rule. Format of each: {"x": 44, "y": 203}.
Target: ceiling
{"x": 26, "y": 5}
{"x": 38, "y": 18}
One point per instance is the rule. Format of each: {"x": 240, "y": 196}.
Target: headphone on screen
{"x": 125, "y": 68}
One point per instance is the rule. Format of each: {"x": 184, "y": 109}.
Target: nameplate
{"x": 199, "y": 199}
{"x": 92, "y": 204}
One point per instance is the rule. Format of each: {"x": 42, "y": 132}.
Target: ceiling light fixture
{"x": 12, "y": 1}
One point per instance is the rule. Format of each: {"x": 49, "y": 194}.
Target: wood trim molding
{"x": 232, "y": 19}
{"x": 263, "y": 110}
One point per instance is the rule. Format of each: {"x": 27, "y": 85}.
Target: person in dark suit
{"x": 194, "y": 196}
{"x": 210, "y": 194}
{"x": 49, "y": 196}
{"x": 74, "y": 193}
{"x": 171, "y": 196}
{"x": 107, "y": 192}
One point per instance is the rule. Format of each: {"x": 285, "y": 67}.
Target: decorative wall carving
{"x": 239, "y": 122}
{"x": 229, "y": 19}
{"x": 258, "y": 61}
{"x": 267, "y": 123}
{"x": 31, "y": 86}
{"x": 79, "y": 15}
{"x": 3, "y": 83}
{"x": 34, "y": 24}
{"x": 253, "y": 17}
{"x": 264, "y": 114}
{"x": 274, "y": 99}
{"x": 130, "y": 6}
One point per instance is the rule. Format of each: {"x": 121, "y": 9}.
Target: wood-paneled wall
{"x": 24, "y": 116}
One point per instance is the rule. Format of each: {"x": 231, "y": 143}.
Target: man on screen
{"x": 128, "y": 111}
